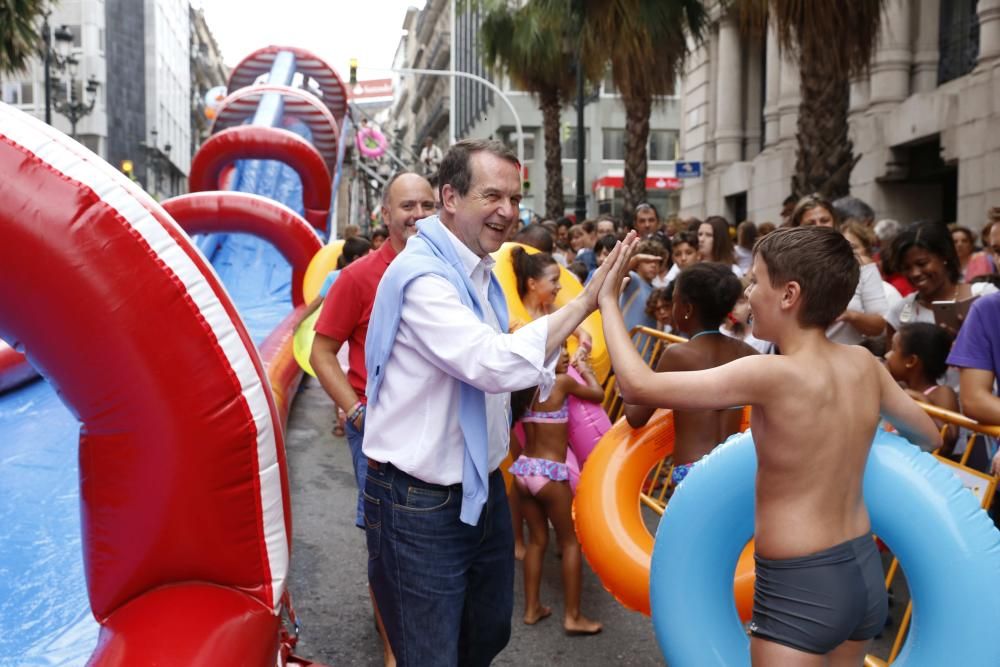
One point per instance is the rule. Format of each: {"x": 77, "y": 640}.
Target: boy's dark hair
{"x": 713, "y": 290}
{"x": 578, "y": 269}
{"x": 656, "y": 296}
{"x": 528, "y": 266}
{"x": 821, "y": 261}
{"x": 354, "y": 247}
{"x": 651, "y": 247}
{"x": 930, "y": 343}
{"x": 606, "y": 242}
{"x": 380, "y": 231}
{"x": 691, "y": 238}
{"x": 930, "y": 236}
{"x": 456, "y": 167}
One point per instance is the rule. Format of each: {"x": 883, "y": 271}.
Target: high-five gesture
{"x": 593, "y": 289}
{"x": 618, "y": 264}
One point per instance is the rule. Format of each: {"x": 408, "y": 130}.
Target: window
{"x": 18, "y": 92}
{"x": 609, "y": 84}
{"x": 12, "y": 93}
{"x": 614, "y": 144}
{"x": 77, "y": 35}
{"x": 662, "y": 145}
{"x": 958, "y": 39}
{"x": 569, "y": 143}
{"x": 510, "y": 138}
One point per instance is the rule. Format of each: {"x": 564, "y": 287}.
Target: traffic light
{"x": 128, "y": 169}
{"x": 354, "y": 72}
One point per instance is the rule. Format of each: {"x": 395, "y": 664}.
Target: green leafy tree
{"x": 832, "y": 42}
{"x": 647, "y": 44}
{"x": 530, "y": 44}
{"x": 19, "y": 33}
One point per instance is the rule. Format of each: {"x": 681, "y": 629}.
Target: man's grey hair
{"x": 852, "y": 208}
{"x": 887, "y": 229}
{"x": 456, "y": 169}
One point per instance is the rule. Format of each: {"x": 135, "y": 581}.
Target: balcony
{"x": 437, "y": 118}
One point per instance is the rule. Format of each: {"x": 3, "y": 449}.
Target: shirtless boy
{"x": 819, "y": 596}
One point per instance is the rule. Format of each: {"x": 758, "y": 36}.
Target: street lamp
{"x": 58, "y": 55}
{"x": 53, "y": 57}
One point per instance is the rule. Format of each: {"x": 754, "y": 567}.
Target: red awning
{"x": 652, "y": 182}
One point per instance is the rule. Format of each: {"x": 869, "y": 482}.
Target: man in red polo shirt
{"x": 348, "y": 307}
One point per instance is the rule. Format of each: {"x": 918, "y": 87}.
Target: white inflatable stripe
{"x": 86, "y": 168}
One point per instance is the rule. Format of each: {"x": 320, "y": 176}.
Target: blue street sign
{"x": 688, "y": 169}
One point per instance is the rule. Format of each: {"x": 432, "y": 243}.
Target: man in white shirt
{"x": 441, "y": 557}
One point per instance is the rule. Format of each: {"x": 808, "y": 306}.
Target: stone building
{"x": 433, "y": 106}
{"x": 925, "y": 120}
{"x": 208, "y": 72}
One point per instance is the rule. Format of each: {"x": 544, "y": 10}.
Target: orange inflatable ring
{"x": 608, "y": 517}
{"x": 600, "y": 360}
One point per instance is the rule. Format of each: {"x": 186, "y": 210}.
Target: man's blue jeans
{"x": 360, "y": 463}
{"x": 445, "y": 589}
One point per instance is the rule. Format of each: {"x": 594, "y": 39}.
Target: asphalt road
{"x": 328, "y": 573}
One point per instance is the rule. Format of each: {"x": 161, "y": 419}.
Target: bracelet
{"x": 357, "y": 410}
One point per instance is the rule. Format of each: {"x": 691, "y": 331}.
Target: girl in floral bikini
{"x": 542, "y": 481}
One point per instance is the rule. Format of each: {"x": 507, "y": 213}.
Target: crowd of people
{"x": 429, "y": 422}
{"x": 921, "y": 273}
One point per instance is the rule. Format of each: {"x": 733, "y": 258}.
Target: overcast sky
{"x": 335, "y": 30}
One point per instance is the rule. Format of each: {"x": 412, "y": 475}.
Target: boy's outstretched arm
{"x": 903, "y": 412}
{"x": 737, "y": 383}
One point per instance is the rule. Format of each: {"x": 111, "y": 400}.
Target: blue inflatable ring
{"x": 946, "y": 545}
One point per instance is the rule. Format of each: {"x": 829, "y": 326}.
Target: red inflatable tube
{"x": 282, "y": 370}
{"x": 184, "y": 506}
{"x": 208, "y": 212}
{"x": 249, "y": 142}
{"x": 15, "y": 369}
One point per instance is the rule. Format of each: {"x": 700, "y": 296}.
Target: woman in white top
{"x": 926, "y": 255}
{"x": 865, "y": 314}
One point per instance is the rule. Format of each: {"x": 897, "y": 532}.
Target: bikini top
{"x": 560, "y": 416}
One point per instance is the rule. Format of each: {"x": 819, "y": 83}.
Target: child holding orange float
{"x": 544, "y": 485}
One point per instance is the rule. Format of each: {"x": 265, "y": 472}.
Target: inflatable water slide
{"x": 144, "y": 505}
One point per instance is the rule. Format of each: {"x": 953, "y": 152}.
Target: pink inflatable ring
{"x": 371, "y": 142}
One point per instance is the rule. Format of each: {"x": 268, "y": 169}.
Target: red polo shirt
{"x": 348, "y": 308}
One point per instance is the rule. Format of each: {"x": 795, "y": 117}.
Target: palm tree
{"x": 19, "y": 36}
{"x": 832, "y": 42}
{"x": 529, "y": 44}
{"x": 646, "y": 42}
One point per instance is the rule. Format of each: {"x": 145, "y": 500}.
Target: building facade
{"x": 924, "y": 122}
{"x": 85, "y": 20}
{"x": 432, "y": 106}
{"x": 208, "y": 73}
{"x": 137, "y": 52}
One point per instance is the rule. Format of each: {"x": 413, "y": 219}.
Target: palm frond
{"x": 842, "y": 36}
{"x": 19, "y": 35}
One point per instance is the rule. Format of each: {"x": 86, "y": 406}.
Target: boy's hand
{"x": 618, "y": 261}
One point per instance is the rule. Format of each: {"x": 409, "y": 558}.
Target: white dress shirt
{"x": 440, "y": 343}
